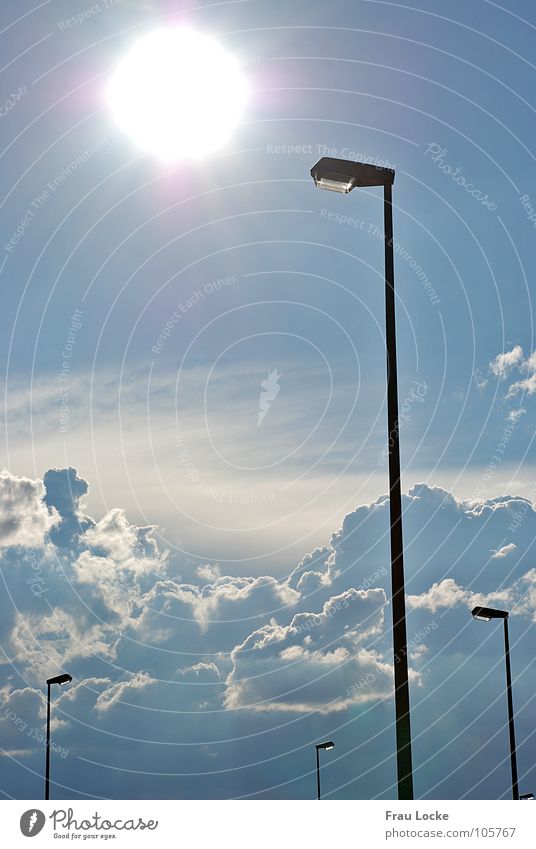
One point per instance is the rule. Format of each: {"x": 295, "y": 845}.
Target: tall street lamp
{"x": 327, "y": 746}
{"x": 340, "y": 175}
{"x": 486, "y": 614}
{"x": 59, "y": 679}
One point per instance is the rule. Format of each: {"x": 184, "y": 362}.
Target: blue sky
{"x": 165, "y": 552}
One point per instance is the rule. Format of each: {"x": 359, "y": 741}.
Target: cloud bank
{"x": 235, "y": 657}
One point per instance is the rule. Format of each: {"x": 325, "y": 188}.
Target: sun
{"x": 177, "y": 94}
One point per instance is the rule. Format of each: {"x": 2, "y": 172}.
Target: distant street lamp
{"x": 486, "y": 614}
{"x": 526, "y": 796}
{"x": 59, "y": 679}
{"x": 340, "y": 175}
{"x": 327, "y": 746}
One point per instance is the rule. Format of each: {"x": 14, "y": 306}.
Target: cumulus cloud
{"x": 218, "y": 614}
{"x": 527, "y": 385}
{"x": 115, "y": 537}
{"x": 128, "y": 601}
{"x": 519, "y": 597}
{"x": 64, "y": 490}
{"x": 22, "y": 714}
{"x": 530, "y": 364}
{"x": 448, "y": 593}
{"x": 48, "y": 643}
{"x": 123, "y": 691}
{"x": 311, "y": 664}
{"x": 208, "y": 573}
{"x": 120, "y": 562}
{"x": 25, "y": 519}
{"x": 24, "y": 701}
{"x": 140, "y": 642}
{"x": 504, "y": 363}
{"x": 526, "y": 588}
{"x": 512, "y": 360}
{"x": 315, "y": 572}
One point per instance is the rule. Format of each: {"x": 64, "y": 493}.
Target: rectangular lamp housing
{"x": 343, "y": 175}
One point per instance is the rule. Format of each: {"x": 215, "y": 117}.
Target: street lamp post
{"x": 486, "y": 614}
{"x": 327, "y": 746}
{"x": 339, "y": 175}
{"x": 59, "y": 679}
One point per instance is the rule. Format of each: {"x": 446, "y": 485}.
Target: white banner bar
{"x": 269, "y": 825}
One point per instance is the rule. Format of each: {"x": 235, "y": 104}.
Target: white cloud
{"x": 514, "y": 415}
{"x": 23, "y": 711}
{"x": 528, "y": 385}
{"x": 208, "y": 573}
{"x": 504, "y": 363}
{"x": 311, "y": 664}
{"x": 443, "y": 594}
{"x": 527, "y": 594}
{"x": 116, "y": 538}
{"x": 519, "y": 597}
{"x": 530, "y": 364}
{"x": 448, "y": 593}
{"x": 15, "y": 753}
{"x": 480, "y": 381}
{"x": 122, "y": 691}
{"x": 230, "y": 604}
{"x": 199, "y": 672}
{"x": 24, "y": 517}
{"x": 505, "y": 550}
{"x": 121, "y": 562}
{"x": 44, "y": 644}
{"x": 140, "y": 642}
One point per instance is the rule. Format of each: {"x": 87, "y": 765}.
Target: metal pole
{"x": 402, "y": 705}
{"x": 317, "y": 774}
{"x": 513, "y": 757}
{"x": 47, "y": 752}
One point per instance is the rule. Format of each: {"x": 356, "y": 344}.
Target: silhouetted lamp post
{"x": 327, "y": 746}
{"x": 340, "y": 175}
{"x": 486, "y": 614}
{"x": 59, "y": 679}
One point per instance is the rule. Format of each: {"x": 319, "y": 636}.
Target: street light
{"x": 339, "y": 175}
{"x": 327, "y": 746}
{"x": 526, "y": 796}
{"x": 59, "y": 679}
{"x": 486, "y": 614}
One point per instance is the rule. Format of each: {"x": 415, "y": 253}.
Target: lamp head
{"x": 486, "y": 614}
{"x": 343, "y": 175}
{"x": 327, "y": 746}
{"x": 60, "y": 679}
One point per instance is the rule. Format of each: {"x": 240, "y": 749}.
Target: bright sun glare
{"x": 177, "y": 94}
